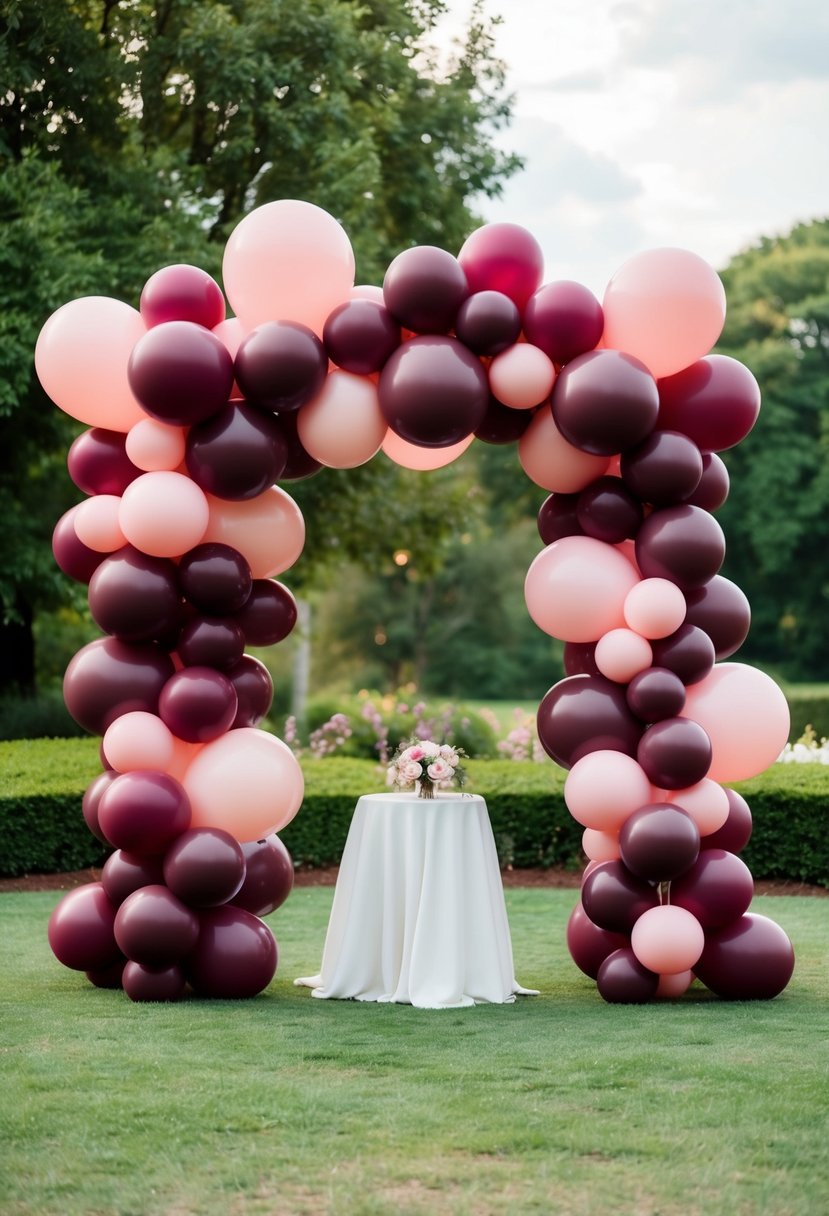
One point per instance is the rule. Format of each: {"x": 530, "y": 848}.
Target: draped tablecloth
{"x": 418, "y": 915}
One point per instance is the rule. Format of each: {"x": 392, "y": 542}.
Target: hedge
{"x": 43, "y": 830}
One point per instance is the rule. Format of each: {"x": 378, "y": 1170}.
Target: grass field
{"x": 286, "y": 1104}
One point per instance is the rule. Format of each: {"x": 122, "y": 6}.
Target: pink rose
{"x": 409, "y": 770}
{"x": 439, "y": 770}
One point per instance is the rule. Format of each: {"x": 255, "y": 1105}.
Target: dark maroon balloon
{"x": 579, "y": 659}
{"x": 664, "y": 469}
{"x": 614, "y": 899}
{"x": 722, "y": 610}
{"x": 608, "y": 511}
{"x": 98, "y": 462}
{"x": 211, "y": 641}
{"x": 503, "y": 257}
{"x": 155, "y": 928}
{"x": 423, "y": 289}
{"x": 237, "y": 453}
{"x": 564, "y": 320}
{"x": 622, "y": 980}
{"x": 589, "y": 945}
{"x": 216, "y": 578}
{"x": 154, "y": 983}
{"x": 135, "y": 597}
{"x": 501, "y": 424}
{"x": 714, "y": 484}
{"x": 360, "y": 335}
{"x": 180, "y": 372}
{"x": 235, "y": 956}
{"x": 198, "y": 704}
{"x": 659, "y": 842}
{"x": 583, "y": 714}
{"x": 656, "y": 693}
{"x": 74, "y": 558}
{"x": 433, "y": 391}
{"x": 182, "y": 293}
{"x": 143, "y": 811}
{"x": 684, "y": 544}
{"x": 109, "y": 677}
{"x": 675, "y": 753}
{"x": 488, "y": 322}
{"x": 81, "y": 929}
{"x": 269, "y": 876}
{"x": 558, "y": 514}
{"x": 91, "y": 802}
{"x": 108, "y": 977}
{"x": 605, "y": 402}
{"x": 688, "y": 652}
{"x": 751, "y": 959}
{"x": 714, "y": 401}
{"x": 204, "y": 867}
{"x": 717, "y": 889}
{"x": 735, "y": 833}
{"x": 254, "y": 690}
{"x": 269, "y": 613}
{"x": 300, "y": 463}
{"x": 281, "y": 365}
{"x": 125, "y": 872}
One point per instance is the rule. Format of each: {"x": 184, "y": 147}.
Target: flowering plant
{"x": 427, "y": 765}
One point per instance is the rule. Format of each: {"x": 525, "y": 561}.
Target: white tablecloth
{"x": 418, "y": 915}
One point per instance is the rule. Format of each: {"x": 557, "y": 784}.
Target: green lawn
{"x": 285, "y": 1104}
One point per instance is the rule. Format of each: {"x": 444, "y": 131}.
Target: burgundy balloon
{"x": 198, "y": 704}
{"x": 180, "y": 372}
{"x": 143, "y": 811}
{"x": 564, "y": 319}
{"x": 589, "y": 945}
{"x": 715, "y": 402}
{"x": 684, "y": 544}
{"x": 110, "y": 976}
{"x": 750, "y": 959}
{"x": 216, "y": 578}
{"x": 360, "y": 335}
{"x": 269, "y": 614}
{"x": 154, "y": 983}
{"x": 204, "y": 867}
{"x": 211, "y": 641}
{"x": 300, "y": 463}
{"x": 92, "y": 800}
{"x": 126, "y": 872}
{"x": 665, "y": 468}
{"x": 280, "y": 365}
{"x": 717, "y": 889}
{"x": 735, "y": 833}
{"x": 235, "y": 956}
{"x": 503, "y": 257}
{"x": 433, "y": 391}
{"x": 656, "y": 693}
{"x": 108, "y": 677}
{"x": 155, "y": 928}
{"x": 622, "y": 980}
{"x": 423, "y": 288}
{"x": 81, "y": 929}
{"x": 237, "y": 453}
{"x": 579, "y": 659}
{"x": 614, "y": 899}
{"x": 182, "y": 293}
{"x": 488, "y": 322}
{"x": 714, "y": 484}
{"x": 254, "y": 690}
{"x": 501, "y": 425}
{"x": 659, "y": 841}
{"x": 605, "y": 402}
{"x": 688, "y": 652}
{"x": 558, "y": 515}
{"x": 606, "y": 510}
{"x": 675, "y": 753}
{"x": 98, "y": 462}
{"x": 135, "y": 597}
{"x": 73, "y": 557}
{"x": 722, "y": 610}
{"x": 586, "y": 713}
{"x": 269, "y": 876}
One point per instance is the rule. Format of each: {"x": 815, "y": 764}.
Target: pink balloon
{"x": 672, "y": 986}
{"x": 600, "y": 846}
{"x": 163, "y": 514}
{"x": 155, "y": 446}
{"x": 343, "y": 426}
{"x": 287, "y": 261}
{"x": 367, "y": 291}
{"x": 603, "y": 788}
{"x": 621, "y": 654}
{"x": 551, "y": 461}
{"x": 97, "y": 523}
{"x": 247, "y": 782}
{"x": 81, "y": 360}
{"x": 139, "y": 740}
{"x": 522, "y": 376}
{"x": 268, "y": 530}
{"x": 667, "y": 940}
{"x": 411, "y": 456}
{"x": 575, "y": 588}
{"x": 665, "y": 307}
{"x": 706, "y": 802}
{"x": 655, "y": 608}
{"x": 745, "y": 715}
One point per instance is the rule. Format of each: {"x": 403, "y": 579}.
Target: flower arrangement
{"x": 427, "y": 765}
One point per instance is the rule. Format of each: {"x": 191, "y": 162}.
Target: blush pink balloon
{"x": 706, "y": 802}
{"x": 621, "y": 654}
{"x": 600, "y": 846}
{"x": 81, "y": 360}
{"x": 97, "y": 523}
{"x": 522, "y": 376}
{"x": 603, "y": 788}
{"x": 672, "y": 986}
{"x": 138, "y": 740}
{"x": 287, "y": 261}
{"x": 367, "y": 291}
{"x": 155, "y": 446}
{"x": 552, "y": 462}
{"x": 163, "y": 514}
{"x": 343, "y": 426}
{"x": 746, "y": 717}
{"x": 268, "y": 530}
{"x": 423, "y": 460}
{"x": 575, "y": 589}
{"x": 667, "y": 940}
{"x": 665, "y": 307}
{"x": 655, "y": 608}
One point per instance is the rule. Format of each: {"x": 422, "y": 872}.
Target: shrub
{"x": 808, "y": 707}
{"x": 42, "y": 717}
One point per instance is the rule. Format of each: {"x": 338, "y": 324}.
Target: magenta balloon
{"x": 198, "y": 704}
{"x": 714, "y": 484}
{"x": 589, "y": 945}
{"x": 748, "y": 960}
{"x": 717, "y": 888}
{"x": 235, "y": 956}
{"x": 586, "y": 713}
{"x": 659, "y": 842}
{"x": 605, "y": 402}
{"x": 92, "y": 800}
{"x": 423, "y": 289}
{"x": 503, "y": 257}
{"x": 269, "y": 614}
{"x": 433, "y": 391}
{"x": 125, "y": 872}
{"x": 211, "y": 641}
{"x": 216, "y": 578}
{"x": 109, "y": 677}
{"x": 204, "y": 867}
{"x": 143, "y": 811}
{"x": 564, "y": 320}
{"x": 154, "y": 983}
{"x": 300, "y": 462}
{"x": 360, "y": 335}
{"x": 237, "y": 453}
{"x": 254, "y": 690}
{"x": 135, "y": 597}
{"x": 656, "y": 693}
{"x": 81, "y": 929}
{"x": 182, "y": 293}
{"x": 722, "y": 610}
{"x": 488, "y": 322}
{"x": 675, "y": 753}
{"x": 98, "y": 462}
{"x": 665, "y": 468}
{"x": 579, "y": 659}
{"x": 269, "y": 876}
{"x": 735, "y": 833}
{"x": 614, "y": 899}
{"x": 684, "y": 544}
{"x": 155, "y": 928}
{"x": 501, "y": 424}
{"x": 558, "y": 514}
{"x": 181, "y": 373}
{"x": 688, "y": 652}
{"x": 608, "y": 511}
{"x": 281, "y": 365}
{"x": 622, "y": 980}
{"x": 715, "y": 402}
{"x": 74, "y": 558}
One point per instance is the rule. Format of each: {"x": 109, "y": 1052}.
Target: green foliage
{"x": 809, "y": 707}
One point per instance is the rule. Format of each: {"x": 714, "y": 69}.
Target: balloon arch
{"x": 618, "y": 410}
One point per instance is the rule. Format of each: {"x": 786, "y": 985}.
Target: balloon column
{"x": 619, "y": 412}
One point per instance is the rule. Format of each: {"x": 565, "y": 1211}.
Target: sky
{"x": 702, "y": 124}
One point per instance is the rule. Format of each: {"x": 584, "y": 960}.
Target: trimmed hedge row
{"x": 43, "y": 831}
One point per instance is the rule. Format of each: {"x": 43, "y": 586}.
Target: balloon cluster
{"x": 619, "y": 412}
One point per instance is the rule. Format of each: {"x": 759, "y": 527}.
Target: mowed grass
{"x": 287, "y": 1104}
